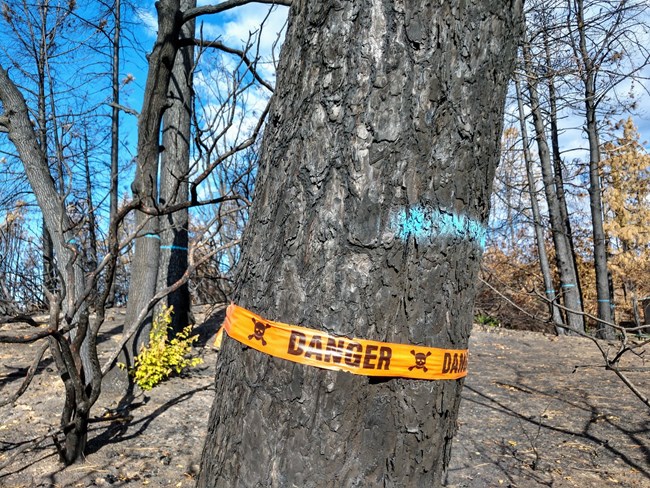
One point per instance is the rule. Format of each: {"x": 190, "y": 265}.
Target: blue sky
{"x": 232, "y": 28}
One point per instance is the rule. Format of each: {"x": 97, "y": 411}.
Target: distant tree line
{"x": 575, "y": 222}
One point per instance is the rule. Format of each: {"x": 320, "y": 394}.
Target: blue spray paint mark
{"x": 177, "y": 248}
{"x": 152, "y": 236}
{"x": 424, "y": 223}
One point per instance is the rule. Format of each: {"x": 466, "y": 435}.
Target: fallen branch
{"x": 29, "y": 377}
{"x": 611, "y": 364}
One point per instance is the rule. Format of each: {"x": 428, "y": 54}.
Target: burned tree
{"x": 368, "y": 221}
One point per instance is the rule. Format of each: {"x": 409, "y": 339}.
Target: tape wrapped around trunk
{"x": 358, "y": 356}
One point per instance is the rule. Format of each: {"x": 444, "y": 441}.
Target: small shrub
{"x": 487, "y": 320}
{"x": 157, "y": 360}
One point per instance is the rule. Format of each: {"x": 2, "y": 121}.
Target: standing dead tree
{"x": 368, "y": 221}
{"x": 70, "y": 335}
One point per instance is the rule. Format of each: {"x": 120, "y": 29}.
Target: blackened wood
{"x": 378, "y": 106}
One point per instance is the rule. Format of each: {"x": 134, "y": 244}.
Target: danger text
{"x": 336, "y": 350}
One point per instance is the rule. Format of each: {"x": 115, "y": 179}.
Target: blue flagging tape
{"x": 568, "y": 285}
{"x": 152, "y": 236}
{"x": 176, "y": 248}
{"x": 72, "y": 241}
{"x": 427, "y": 223}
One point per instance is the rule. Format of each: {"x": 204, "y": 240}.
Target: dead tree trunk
{"x": 558, "y": 164}
{"x": 544, "y": 264}
{"x": 564, "y": 259}
{"x": 144, "y": 268}
{"x": 368, "y": 220}
{"x": 603, "y": 286}
{"x": 174, "y": 175}
{"x": 82, "y": 384}
{"x": 115, "y": 123}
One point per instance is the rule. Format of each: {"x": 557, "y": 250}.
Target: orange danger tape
{"x": 358, "y": 356}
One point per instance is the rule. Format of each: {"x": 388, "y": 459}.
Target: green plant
{"x": 157, "y": 360}
{"x": 485, "y": 319}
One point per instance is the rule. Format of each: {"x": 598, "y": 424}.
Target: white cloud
{"x": 247, "y": 20}
{"x": 149, "y": 21}
{"x": 241, "y": 26}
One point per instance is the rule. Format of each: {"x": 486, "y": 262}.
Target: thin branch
{"x": 230, "y": 50}
{"x": 126, "y": 335}
{"x": 168, "y": 209}
{"x": 630, "y": 385}
{"x": 25, "y": 338}
{"x": 20, "y": 319}
{"x": 243, "y": 145}
{"x": 229, "y": 4}
{"x": 123, "y": 108}
{"x": 27, "y": 446}
{"x": 610, "y": 364}
{"x": 28, "y": 377}
{"x": 508, "y": 300}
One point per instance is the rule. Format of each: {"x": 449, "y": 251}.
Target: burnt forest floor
{"x": 529, "y": 418}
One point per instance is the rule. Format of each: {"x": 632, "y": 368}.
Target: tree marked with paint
{"x": 423, "y": 223}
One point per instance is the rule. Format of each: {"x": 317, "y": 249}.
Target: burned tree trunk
{"x": 368, "y": 221}
{"x": 563, "y": 257}
{"x": 174, "y": 176}
{"x": 144, "y": 269}
{"x": 544, "y": 264}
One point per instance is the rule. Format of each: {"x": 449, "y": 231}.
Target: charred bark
{"x": 174, "y": 175}
{"x": 144, "y": 268}
{"x": 381, "y": 110}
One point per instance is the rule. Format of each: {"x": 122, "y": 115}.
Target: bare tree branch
{"x": 25, "y": 338}
{"x": 230, "y": 50}
{"x": 611, "y": 364}
{"x": 126, "y": 335}
{"x": 229, "y": 4}
{"x": 28, "y": 377}
{"x": 124, "y": 108}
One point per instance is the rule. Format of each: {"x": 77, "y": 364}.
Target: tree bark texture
{"x": 174, "y": 174}
{"x": 380, "y": 107}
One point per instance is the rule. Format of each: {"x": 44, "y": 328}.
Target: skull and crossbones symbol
{"x": 420, "y": 360}
{"x": 260, "y": 328}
